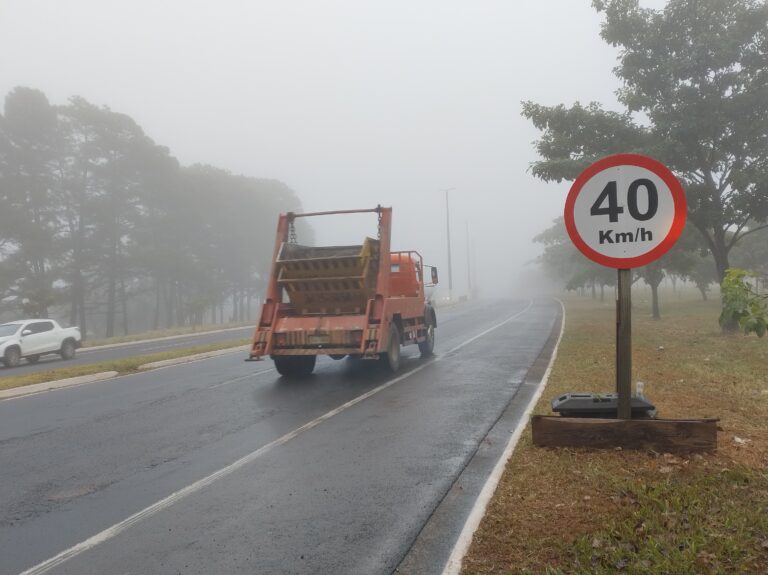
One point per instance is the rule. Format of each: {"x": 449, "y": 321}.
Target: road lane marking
{"x": 155, "y": 508}
{"x": 453, "y": 565}
{"x": 241, "y": 378}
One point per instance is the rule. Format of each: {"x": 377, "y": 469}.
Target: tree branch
{"x": 749, "y": 231}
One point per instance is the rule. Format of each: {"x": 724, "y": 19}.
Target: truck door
{"x": 40, "y": 340}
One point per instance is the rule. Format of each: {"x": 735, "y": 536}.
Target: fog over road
{"x": 222, "y": 466}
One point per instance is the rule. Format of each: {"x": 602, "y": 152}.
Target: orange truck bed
{"x": 359, "y": 301}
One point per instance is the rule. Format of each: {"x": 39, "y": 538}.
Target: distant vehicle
{"x": 32, "y": 338}
{"x": 361, "y": 301}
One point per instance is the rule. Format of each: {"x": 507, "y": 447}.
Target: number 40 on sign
{"x": 625, "y": 211}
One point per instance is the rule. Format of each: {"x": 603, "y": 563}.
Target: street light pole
{"x": 469, "y": 267}
{"x": 448, "y": 234}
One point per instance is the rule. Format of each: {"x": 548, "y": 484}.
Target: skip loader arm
{"x": 373, "y": 322}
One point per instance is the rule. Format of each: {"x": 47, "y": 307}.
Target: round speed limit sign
{"x": 625, "y": 211}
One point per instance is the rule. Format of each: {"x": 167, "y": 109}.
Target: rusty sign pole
{"x": 624, "y": 344}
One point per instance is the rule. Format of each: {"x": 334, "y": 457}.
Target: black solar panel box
{"x": 599, "y": 405}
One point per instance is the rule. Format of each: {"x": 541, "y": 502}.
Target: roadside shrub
{"x": 743, "y": 307}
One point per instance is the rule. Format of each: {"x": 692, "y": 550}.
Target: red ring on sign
{"x": 678, "y": 221}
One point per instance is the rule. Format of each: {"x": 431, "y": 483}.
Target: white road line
{"x": 155, "y": 508}
{"x": 453, "y": 565}
{"x": 241, "y": 378}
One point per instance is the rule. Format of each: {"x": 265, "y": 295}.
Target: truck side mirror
{"x": 434, "y": 275}
{"x": 26, "y": 332}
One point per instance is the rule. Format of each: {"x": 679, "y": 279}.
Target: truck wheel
{"x": 427, "y": 346}
{"x": 12, "y": 357}
{"x": 391, "y": 359}
{"x": 33, "y": 358}
{"x": 295, "y": 365}
{"x": 67, "y": 349}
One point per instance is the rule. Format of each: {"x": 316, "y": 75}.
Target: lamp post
{"x": 469, "y": 267}
{"x": 448, "y": 235}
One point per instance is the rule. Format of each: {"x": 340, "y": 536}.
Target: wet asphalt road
{"x": 86, "y": 356}
{"x": 221, "y": 466}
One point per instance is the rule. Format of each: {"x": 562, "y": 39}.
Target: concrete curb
{"x": 461, "y": 547}
{"x": 93, "y": 378}
{"x": 49, "y": 385}
{"x": 191, "y": 358}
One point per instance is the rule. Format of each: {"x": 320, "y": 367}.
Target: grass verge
{"x": 122, "y": 366}
{"x": 159, "y": 333}
{"x": 560, "y": 511}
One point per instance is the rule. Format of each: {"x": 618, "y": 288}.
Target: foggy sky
{"x": 350, "y": 103}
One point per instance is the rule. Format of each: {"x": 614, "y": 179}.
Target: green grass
{"x": 580, "y": 511}
{"x": 689, "y": 523}
{"x": 122, "y": 366}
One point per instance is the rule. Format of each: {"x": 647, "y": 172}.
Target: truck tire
{"x": 12, "y": 357}
{"x": 427, "y": 347}
{"x": 67, "y": 350}
{"x": 33, "y": 358}
{"x": 391, "y": 359}
{"x": 295, "y": 365}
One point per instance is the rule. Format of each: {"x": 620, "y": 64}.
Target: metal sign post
{"x": 624, "y": 344}
{"x": 625, "y": 211}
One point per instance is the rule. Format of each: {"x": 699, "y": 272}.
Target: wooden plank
{"x": 663, "y": 435}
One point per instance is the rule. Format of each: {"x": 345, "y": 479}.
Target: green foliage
{"x": 694, "y": 94}
{"x": 742, "y": 306}
{"x": 564, "y": 262}
{"x": 97, "y": 216}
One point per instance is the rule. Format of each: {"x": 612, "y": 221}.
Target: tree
{"x": 561, "y": 259}
{"x": 99, "y": 219}
{"x": 752, "y": 254}
{"x": 695, "y": 93}
{"x": 29, "y": 135}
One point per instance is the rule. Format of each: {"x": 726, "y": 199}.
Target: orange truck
{"x": 361, "y": 301}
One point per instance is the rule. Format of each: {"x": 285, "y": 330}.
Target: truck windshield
{"x": 8, "y": 329}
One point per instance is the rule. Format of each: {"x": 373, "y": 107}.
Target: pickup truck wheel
{"x": 295, "y": 365}
{"x": 427, "y": 346}
{"x": 12, "y": 357}
{"x": 391, "y": 359}
{"x": 33, "y": 358}
{"x": 67, "y": 349}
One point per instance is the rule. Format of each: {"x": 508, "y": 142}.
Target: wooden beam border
{"x": 662, "y": 435}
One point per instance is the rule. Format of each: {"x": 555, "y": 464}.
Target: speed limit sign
{"x": 625, "y": 211}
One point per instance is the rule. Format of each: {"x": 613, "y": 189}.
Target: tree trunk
{"x": 123, "y": 301}
{"x": 170, "y": 303}
{"x": 655, "y": 301}
{"x": 158, "y": 299}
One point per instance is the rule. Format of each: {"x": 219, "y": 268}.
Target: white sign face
{"x": 625, "y": 211}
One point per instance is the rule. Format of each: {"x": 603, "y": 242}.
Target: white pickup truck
{"x": 31, "y": 338}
